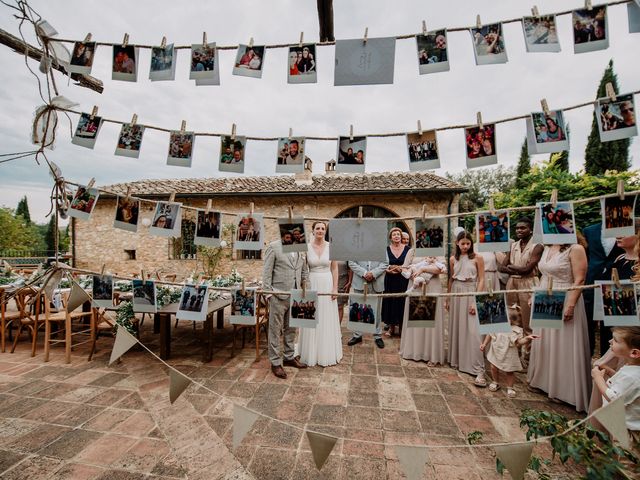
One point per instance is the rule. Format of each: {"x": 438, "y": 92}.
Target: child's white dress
{"x": 503, "y": 352}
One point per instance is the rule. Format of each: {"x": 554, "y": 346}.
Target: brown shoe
{"x": 294, "y": 362}
{"x": 278, "y": 371}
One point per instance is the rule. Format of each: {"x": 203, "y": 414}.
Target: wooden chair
{"x": 262, "y": 321}
{"x": 104, "y": 324}
{"x": 28, "y": 303}
{"x": 65, "y": 320}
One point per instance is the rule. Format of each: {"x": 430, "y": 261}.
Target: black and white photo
{"x": 102, "y": 291}
{"x": 167, "y": 220}
{"x": 193, "y": 303}
{"x": 208, "y": 228}
{"x": 144, "y": 296}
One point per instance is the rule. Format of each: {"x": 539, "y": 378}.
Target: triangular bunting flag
{"x": 177, "y": 384}
{"x": 412, "y": 460}
{"x": 51, "y": 282}
{"x": 612, "y": 417}
{"x": 515, "y": 457}
{"x": 243, "y": 420}
{"x": 77, "y": 297}
{"x": 124, "y": 341}
{"x": 321, "y": 446}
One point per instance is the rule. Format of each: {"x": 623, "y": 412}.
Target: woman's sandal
{"x": 511, "y": 393}
{"x": 494, "y": 387}
{"x": 480, "y": 381}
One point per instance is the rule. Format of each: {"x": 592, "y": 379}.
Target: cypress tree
{"x": 524, "y": 165}
{"x": 23, "y": 210}
{"x": 50, "y": 235}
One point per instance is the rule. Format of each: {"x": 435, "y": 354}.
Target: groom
{"x": 283, "y": 272}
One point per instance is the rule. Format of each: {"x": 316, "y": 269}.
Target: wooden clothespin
{"x": 301, "y": 39}
{"x": 91, "y": 182}
{"x": 492, "y": 207}
{"x": 620, "y": 189}
{"x": 479, "y": 117}
{"x": 87, "y": 38}
{"x": 291, "y": 214}
{"x": 615, "y": 278}
{"x": 163, "y": 43}
{"x": 359, "y": 214}
{"x": 251, "y": 205}
{"x": 128, "y": 194}
{"x": 554, "y": 197}
{"x": 204, "y": 39}
{"x": 233, "y": 132}
{"x": 424, "y": 28}
{"x": 351, "y": 133}
{"x": 183, "y": 126}
{"x": 419, "y": 127}
{"x": 208, "y": 208}
{"x": 424, "y": 212}
{"x": 134, "y": 119}
{"x": 611, "y": 93}
{"x": 365, "y": 290}
{"x": 290, "y": 133}
{"x": 478, "y": 22}
{"x": 94, "y": 112}
{"x": 535, "y": 12}
{"x": 545, "y": 106}
{"x": 250, "y": 43}
{"x": 550, "y": 286}
{"x": 588, "y": 5}
{"x": 242, "y": 290}
{"x": 172, "y": 197}
{"x": 366, "y": 35}
{"x": 125, "y": 40}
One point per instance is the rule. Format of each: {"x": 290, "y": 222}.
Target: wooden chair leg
{"x": 47, "y": 340}
{"x": 3, "y": 326}
{"x": 34, "y": 338}
{"x": 257, "y": 342}
{"x": 15, "y": 340}
{"x": 94, "y": 337}
{"x": 233, "y": 341}
{"x": 67, "y": 339}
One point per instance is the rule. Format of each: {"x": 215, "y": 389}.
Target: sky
{"x": 269, "y": 106}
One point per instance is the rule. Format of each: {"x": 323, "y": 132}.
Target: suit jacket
{"x": 599, "y": 261}
{"x": 283, "y": 271}
{"x": 360, "y": 268}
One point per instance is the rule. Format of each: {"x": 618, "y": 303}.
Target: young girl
{"x": 467, "y": 277}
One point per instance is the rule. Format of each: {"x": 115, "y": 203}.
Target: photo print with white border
{"x": 541, "y": 33}
{"x": 358, "y": 240}
{"x": 163, "y": 63}
{"x": 243, "y": 306}
{"x": 546, "y": 133}
{"x": 619, "y": 304}
{"x": 547, "y": 311}
{"x": 364, "y": 313}
{"x": 432, "y": 52}
{"x": 204, "y": 64}
{"x": 290, "y": 155}
{"x": 558, "y": 223}
{"x": 83, "y": 203}
{"x": 481, "y": 145}
{"x": 590, "y": 29}
{"x": 82, "y": 58}
{"x": 488, "y": 44}
{"x": 249, "y": 231}
{"x": 429, "y": 241}
{"x": 421, "y": 311}
{"x": 249, "y": 61}
{"x": 364, "y": 63}
{"x": 491, "y": 311}
{"x": 180, "y": 148}
{"x": 167, "y": 220}
{"x": 207, "y": 228}
{"x": 351, "y": 154}
{"x": 633, "y": 16}
{"x": 127, "y": 213}
{"x": 130, "y": 140}
{"x": 616, "y": 118}
{"x": 292, "y": 234}
{"x": 423, "y": 151}
{"x": 87, "y": 130}
{"x": 302, "y": 64}
{"x": 302, "y": 309}
{"x": 125, "y": 63}
{"x": 102, "y": 291}
{"x": 144, "y": 296}
{"x": 492, "y": 231}
{"x": 194, "y": 301}
{"x": 618, "y": 216}
{"x": 232, "y": 153}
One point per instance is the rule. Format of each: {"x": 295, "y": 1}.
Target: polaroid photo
{"x": 481, "y": 146}
{"x": 358, "y": 240}
{"x": 558, "y": 223}
{"x": 249, "y": 61}
{"x": 208, "y": 229}
{"x": 127, "y": 211}
{"x": 302, "y": 64}
{"x": 488, "y": 44}
{"x": 125, "y": 63}
{"x": 547, "y": 311}
{"x": 302, "y": 309}
{"x": 130, "y": 140}
{"x": 82, "y": 58}
{"x": 167, "y": 220}
{"x": 492, "y": 231}
{"x": 83, "y": 203}
{"x": 351, "y": 154}
{"x": 364, "y": 63}
{"x": 633, "y": 16}
{"x": 364, "y": 313}
{"x": 232, "y": 154}
{"x": 163, "y": 63}
{"x": 204, "y": 64}
{"x": 180, "y": 148}
{"x": 618, "y": 216}
{"x": 193, "y": 303}
{"x": 616, "y": 119}
{"x": 144, "y": 296}
{"x": 429, "y": 240}
{"x": 541, "y": 34}
{"x": 102, "y": 291}
{"x": 87, "y": 130}
{"x": 423, "y": 151}
{"x": 248, "y": 232}
{"x": 590, "y": 29}
{"x": 292, "y": 234}
{"x": 291, "y": 153}
{"x": 491, "y": 310}
{"x": 432, "y": 52}
{"x": 243, "y": 306}
{"x": 421, "y": 311}
{"x": 546, "y": 133}
{"x": 619, "y": 304}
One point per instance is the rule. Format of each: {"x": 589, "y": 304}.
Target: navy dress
{"x": 393, "y": 308}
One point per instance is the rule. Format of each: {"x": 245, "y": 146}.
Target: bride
{"x": 322, "y": 345}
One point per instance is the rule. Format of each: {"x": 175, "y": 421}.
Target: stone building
{"x": 95, "y": 242}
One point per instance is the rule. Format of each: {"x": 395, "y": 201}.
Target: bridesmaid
{"x": 399, "y": 256}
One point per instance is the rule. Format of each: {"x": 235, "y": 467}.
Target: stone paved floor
{"x": 88, "y": 420}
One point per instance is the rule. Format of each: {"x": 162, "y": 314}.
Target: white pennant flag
{"x": 412, "y": 460}
{"x": 77, "y": 297}
{"x": 243, "y": 420}
{"x": 51, "y": 282}
{"x": 515, "y": 457}
{"x": 612, "y": 417}
{"x": 177, "y": 384}
{"x": 124, "y": 341}
{"x": 321, "y": 446}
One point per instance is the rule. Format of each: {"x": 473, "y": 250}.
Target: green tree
{"x": 482, "y": 184}
{"x": 14, "y": 234}
{"x": 524, "y": 164}
{"x": 23, "y": 210}
{"x": 50, "y": 235}
{"x": 560, "y": 160}
{"x": 600, "y": 157}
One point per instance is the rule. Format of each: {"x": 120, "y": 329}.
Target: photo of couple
{"x": 127, "y": 213}
{"x": 292, "y": 235}
{"x": 589, "y": 25}
{"x": 82, "y": 57}
{"x": 548, "y": 127}
{"x": 83, "y": 203}
{"x": 558, "y": 223}
{"x": 124, "y": 63}
{"x": 180, "y": 148}
{"x": 249, "y": 61}
{"x": 232, "y": 154}
{"x": 351, "y": 154}
{"x": 616, "y": 118}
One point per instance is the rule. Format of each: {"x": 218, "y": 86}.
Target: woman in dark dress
{"x": 399, "y": 256}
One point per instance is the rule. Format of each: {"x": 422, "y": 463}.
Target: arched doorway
{"x": 375, "y": 211}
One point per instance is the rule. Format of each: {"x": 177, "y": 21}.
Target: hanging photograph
{"x": 492, "y": 314}
{"x": 488, "y": 44}
{"x": 204, "y": 64}
{"x": 481, "y": 146}
{"x": 207, "y": 229}
{"x": 87, "y": 130}
{"x": 633, "y": 16}
{"x": 167, "y": 220}
{"x": 180, "y": 148}
{"x": 492, "y": 231}
{"x": 83, "y": 203}
{"x": 432, "y": 52}
{"x": 249, "y": 61}
{"x": 422, "y": 311}
{"x": 546, "y": 133}
{"x": 351, "y": 154}
{"x": 130, "y": 140}
{"x": 194, "y": 301}
{"x": 429, "y": 239}
{"x": 290, "y": 155}
{"x": 82, "y": 58}
{"x": 423, "y": 151}
{"x": 590, "y": 29}
{"x": 232, "y": 154}
{"x": 125, "y": 63}
{"x": 558, "y": 223}
{"x": 248, "y": 232}
{"x": 617, "y": 216}
{"x": 364, "y": 313}
{"x": 144, "y": 296}
{"x": 619, "y": 304}
{"x": 616, "y": 118}
{"x": 358, "y": 240}
{"x": 102, "y": 291}
{"x": 364, "y": 63}
{"x": 163, "y": 63}
{"x": 537, "y": 227}
{"x": 541, "y": 33}
{"x": 547, "y": 309}
{"x": 292, "y": 234}
{"x": 302, "y": 309}
{"x": 243, "y": 307}
{"x": 302, "y": 64}
{"x": 127, "y": 210}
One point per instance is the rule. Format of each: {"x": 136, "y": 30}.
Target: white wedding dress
{"x": 321, "y": 345}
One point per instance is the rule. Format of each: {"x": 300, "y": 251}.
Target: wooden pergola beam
{"x": 325, "y": 18}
